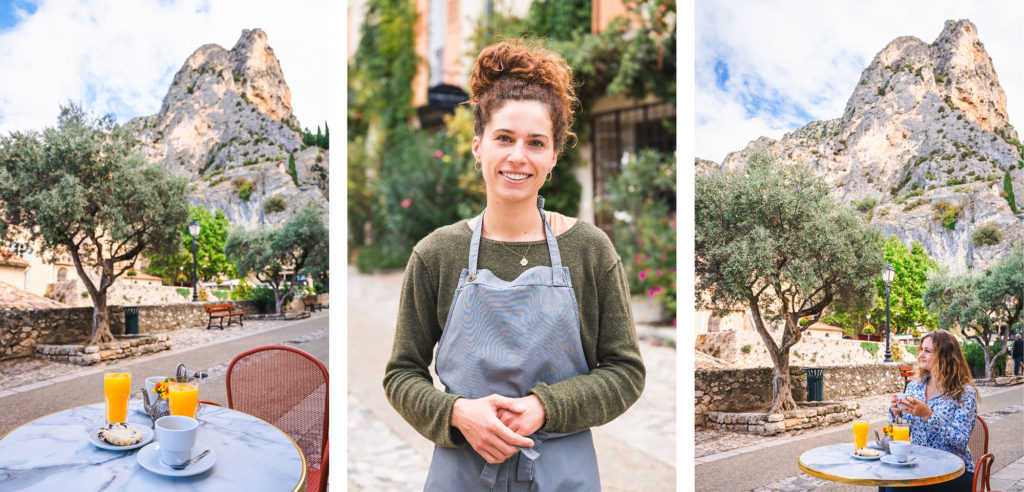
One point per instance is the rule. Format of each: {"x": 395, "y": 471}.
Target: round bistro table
{"x": 54, "y": 453}
{"x": 836, "y": 463}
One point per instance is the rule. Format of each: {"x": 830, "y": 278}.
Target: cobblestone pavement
{"x": 712, "y": 441}
{"x": 28, "y": 370}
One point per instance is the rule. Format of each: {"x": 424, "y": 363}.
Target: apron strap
{"x": 549, "y": 236}
{"x": 474, "y": 244}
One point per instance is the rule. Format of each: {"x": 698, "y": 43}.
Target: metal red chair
{"x": 982, "y": 473}
{"x": 289, "y": 389}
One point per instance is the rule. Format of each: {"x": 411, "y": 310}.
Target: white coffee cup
{"x": 151, "y": 382}
{"x": 176, "y": 435}
{"x": 900, "y": 399}
{"x": 899, "y": 450}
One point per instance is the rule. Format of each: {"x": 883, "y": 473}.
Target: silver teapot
{"x": 161, "y": 407}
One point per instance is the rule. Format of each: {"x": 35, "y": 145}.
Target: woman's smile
{"x": 516, "y": 152}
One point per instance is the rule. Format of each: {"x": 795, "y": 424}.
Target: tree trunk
{"x": 782, "y": 385}
{"x": 100, "y": 320}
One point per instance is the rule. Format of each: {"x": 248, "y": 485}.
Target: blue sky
{"x": 766, "y": 68}
{"x": 119, "y": 56}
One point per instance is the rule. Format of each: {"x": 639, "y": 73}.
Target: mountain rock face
{"x": 922, "y": 148}
{"x": 226, "y": 124}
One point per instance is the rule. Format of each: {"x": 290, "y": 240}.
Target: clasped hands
{"x": 911, "y": 405}
{"x": 495, "y": 425}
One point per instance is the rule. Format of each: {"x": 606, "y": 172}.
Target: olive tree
{"x": 299, "y": 246}
{"x": 985, "y": 305}
{"x": 770, "y": 238}
{"x": 83, "y": 190}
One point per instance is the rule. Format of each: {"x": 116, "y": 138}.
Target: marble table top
{"x": 835, "y": 463}
{"x": 54, "y": 453}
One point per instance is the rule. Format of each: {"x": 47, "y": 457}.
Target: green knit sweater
{"x": 606, "y": 328}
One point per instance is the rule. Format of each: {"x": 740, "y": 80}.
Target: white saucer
{"x": 149, "y": 458}
{"x": 147, "y": 435}
{"x": 891, "y": 460}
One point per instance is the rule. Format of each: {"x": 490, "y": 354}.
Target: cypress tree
{"x": 291, "y": 168}
{"x": 1008, "y": 189}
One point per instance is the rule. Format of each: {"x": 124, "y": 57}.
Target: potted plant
{"x": 867, "y": 330}
{"x": 131, "y": 273}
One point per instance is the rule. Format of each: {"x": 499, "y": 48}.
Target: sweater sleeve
{"x": 407, "y": 381}
{"x": 618, "y": 379}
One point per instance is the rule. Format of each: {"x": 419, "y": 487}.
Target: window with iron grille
{"x": 614, "y": 133}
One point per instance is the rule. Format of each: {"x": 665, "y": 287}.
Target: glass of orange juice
{"x": 117, "y": 385}
{"x": 860, "y": 433}
{"x": 900, "y": 432}
{"x": 183, "y": 397}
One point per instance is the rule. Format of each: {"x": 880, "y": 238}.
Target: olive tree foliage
{"x": 770, "y": 238}
{"x": 83, "y": 190}
{"x": 985, "y": 305}
{"x": 299, "y": 246}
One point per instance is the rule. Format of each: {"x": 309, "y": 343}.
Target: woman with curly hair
{"x": 941, "y": 406}
{"x": 529, "y": 310}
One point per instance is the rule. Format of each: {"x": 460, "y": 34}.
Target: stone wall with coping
{"x": 750, "y": 390}
{"x": 21, "y": 331}
{"x": 810, "y": 414}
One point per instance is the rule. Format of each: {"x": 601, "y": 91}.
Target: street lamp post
{"x": 887, "y": 276}
{"x": 193, "y": 230}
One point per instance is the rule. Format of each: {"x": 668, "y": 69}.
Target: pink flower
{"x": 643, "y": 274}
{"x": 673, "y": 269}
{"x": 673, "y": 321}
{"x": 438, "y": 154}
{"x": 640, "y": 243}
{"x": 658, "y": 273}
{"x": 672, "y": 223}
{"x": 406, "y": 203}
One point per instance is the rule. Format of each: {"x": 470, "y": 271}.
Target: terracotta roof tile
{"x": 11, "y": 259}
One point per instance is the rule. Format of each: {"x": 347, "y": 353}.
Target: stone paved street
{"x": 635, "y": 451}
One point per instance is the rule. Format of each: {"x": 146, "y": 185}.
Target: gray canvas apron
{"x": 505, "y": 338}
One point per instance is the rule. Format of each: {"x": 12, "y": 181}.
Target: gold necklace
{"x": 523, "y": 261}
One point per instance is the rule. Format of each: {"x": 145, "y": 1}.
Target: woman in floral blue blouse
{"x": 941, "y": 406}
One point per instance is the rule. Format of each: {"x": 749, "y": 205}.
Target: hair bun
{"x": 529, "y": 64}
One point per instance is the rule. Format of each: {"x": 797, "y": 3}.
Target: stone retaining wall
{"x": 125, "y": 346}
{"x": 746, "y": 390}
{"x": 811, "y": 414}
{"x": 21, "y": 331}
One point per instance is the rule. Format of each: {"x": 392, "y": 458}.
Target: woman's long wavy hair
{"x": 951, "y": 372}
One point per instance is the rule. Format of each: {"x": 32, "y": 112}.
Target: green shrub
{"x": 243, "y": 188}
{"x": 987, "y": 235}
{"x": 274, "y": 204}
{"x": 912, "y": 349}
{"x": 950, "y": 217}
{"x": 263, "y": 297}
{"x": 242, "y": 292}
{"x": 222, "y": 294}
{"x": 291, "y": 169}
{"x": 186, "y": 293}
{"x": 746, "y": 349}
{"x": 871, "y": 347}
{"x": 976, "y": 359}
{"x": 866, "y": 204}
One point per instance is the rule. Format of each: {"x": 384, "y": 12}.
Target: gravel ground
{"x": 27, "y": 370}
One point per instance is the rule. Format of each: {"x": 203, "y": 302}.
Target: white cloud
{"x": 120, "y": 56}
{"x": 808, "y": 56}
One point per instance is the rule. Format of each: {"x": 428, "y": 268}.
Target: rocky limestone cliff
{"x": 926, "y": 135}
{"x": 226, "y": 124}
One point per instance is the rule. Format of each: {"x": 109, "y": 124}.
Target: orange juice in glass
{"x": 117, "y": 385}
{"x": 183, "y": 397}
{"x": 900, "y": 432}
{"x": 860, "y": 433}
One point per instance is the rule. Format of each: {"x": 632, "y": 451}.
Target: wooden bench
{"x": 221, "y": 311}
{"x": 310, "y": 303}
{"x": 907, "y": 372}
